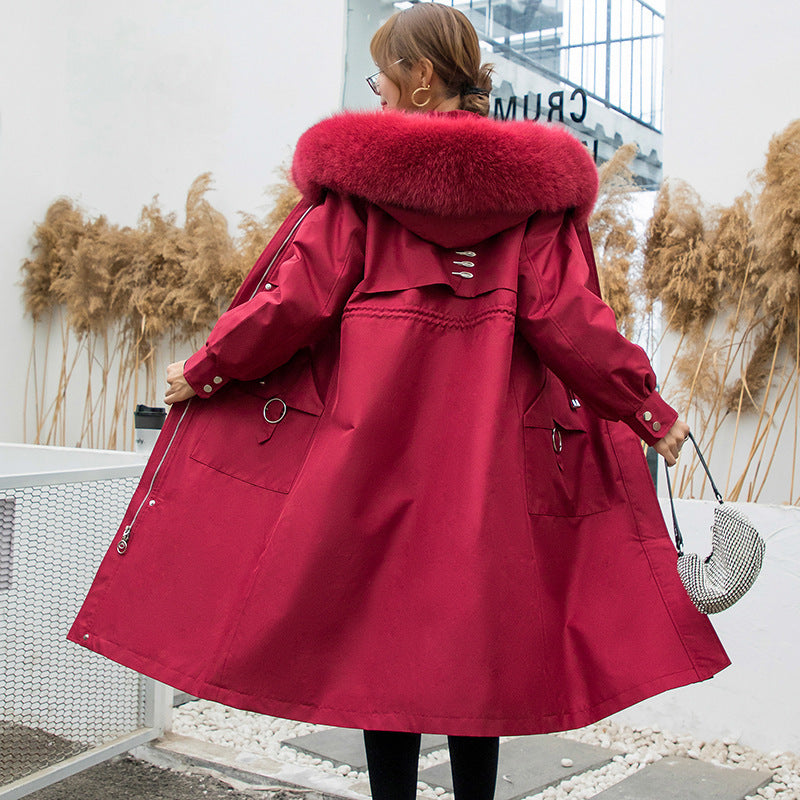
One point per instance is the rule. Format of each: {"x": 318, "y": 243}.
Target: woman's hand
{"x": 670, "y": 445}
{"x": 179, "y": 388}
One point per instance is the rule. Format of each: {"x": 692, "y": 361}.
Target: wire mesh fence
{"x": 57, "y": 700}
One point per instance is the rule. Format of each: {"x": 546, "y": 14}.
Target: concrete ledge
{"x": 248, "y": 769}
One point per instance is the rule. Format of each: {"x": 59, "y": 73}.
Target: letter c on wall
{"x": 582, "y": 116}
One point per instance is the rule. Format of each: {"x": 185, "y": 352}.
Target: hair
{"x": 446, "y": 37}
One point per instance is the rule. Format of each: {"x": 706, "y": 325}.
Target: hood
{"x": 452, "y": 178}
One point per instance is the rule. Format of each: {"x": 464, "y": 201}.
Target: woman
{"x": 411, "y": 495}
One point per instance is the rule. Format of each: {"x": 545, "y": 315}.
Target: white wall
{"x": 730, "y": 84}
{"x": 112, "y": 102}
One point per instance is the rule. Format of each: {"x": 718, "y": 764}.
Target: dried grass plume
{"x": 123, "y": 294}
{"x": 613, "y": 234}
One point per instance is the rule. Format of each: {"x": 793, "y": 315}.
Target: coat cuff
{"x": 652, "y": 419}
{"x": 202, "y": 375}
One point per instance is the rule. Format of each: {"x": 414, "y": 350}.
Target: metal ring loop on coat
{"x": 557, "y": 442}
{"x": 283, "y": 413}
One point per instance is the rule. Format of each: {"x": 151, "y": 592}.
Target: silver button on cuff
{"x": 267, "y": 287}
{"x": 647, "y": 416}
{"x": 217, "y": 380}
{"x": 208, "y": 388}
{"x": 656, "y": 426}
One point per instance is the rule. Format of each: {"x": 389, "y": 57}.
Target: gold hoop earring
{"x": 414, "y": 96}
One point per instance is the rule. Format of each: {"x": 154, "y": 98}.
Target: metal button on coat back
{"x": 464, "y": 273}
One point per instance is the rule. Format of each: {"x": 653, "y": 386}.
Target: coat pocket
{"x": 258, "y": 434}
{"x": 569, "y": 468}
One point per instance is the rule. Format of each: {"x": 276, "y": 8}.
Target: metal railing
{"x": 612, "y": 49}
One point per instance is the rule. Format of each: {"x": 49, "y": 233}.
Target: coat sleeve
{"x": 575, "y": 334}
{"x": 303, "y": 298}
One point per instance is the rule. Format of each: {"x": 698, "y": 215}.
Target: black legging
{"x": 392, "y": 759}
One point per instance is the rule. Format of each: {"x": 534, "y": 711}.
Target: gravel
{"x": 634, "y": 748}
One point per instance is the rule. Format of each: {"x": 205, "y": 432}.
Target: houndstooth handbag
{"x": 737, "y": 553}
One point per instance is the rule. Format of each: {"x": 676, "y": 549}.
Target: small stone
{"x": 567, "y": 762}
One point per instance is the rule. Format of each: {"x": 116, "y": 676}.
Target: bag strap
{"x": 676, "y": 528}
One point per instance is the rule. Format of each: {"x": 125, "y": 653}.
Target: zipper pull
{"x": 122, "y": 545}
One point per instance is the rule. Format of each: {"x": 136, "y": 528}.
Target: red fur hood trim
{"x": 452, "y": 165}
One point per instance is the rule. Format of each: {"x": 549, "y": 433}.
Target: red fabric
{"x": 436, "y": 536}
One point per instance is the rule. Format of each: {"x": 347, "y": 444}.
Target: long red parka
{"x": 411, "y": 493}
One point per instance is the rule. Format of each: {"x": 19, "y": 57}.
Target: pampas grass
{"x": 777, "y": 224}
{"x": 613, "y": 234}
{"x": 252, "y": 230}
{"x": 43, "y": 286}
{"x": 729, "y": 282}
{"x": 122, "y": 298}
{"x": 678, "y": 269}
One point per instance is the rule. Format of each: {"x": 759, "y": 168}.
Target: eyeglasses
{"x": 372, "y": 80}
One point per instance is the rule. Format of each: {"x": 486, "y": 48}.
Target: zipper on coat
{"x": 122, "y": 544}
{"x": 279, "y": 251}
